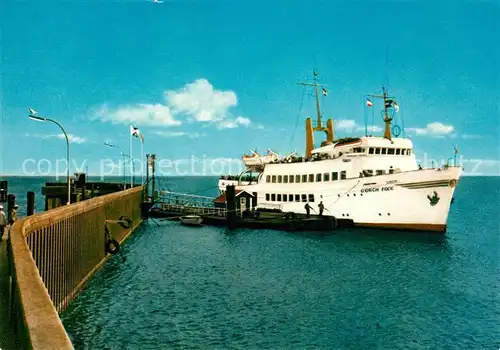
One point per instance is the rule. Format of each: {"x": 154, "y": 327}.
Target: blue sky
{"x": 212, "y": 79}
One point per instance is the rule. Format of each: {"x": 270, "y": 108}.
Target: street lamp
{"x": 32, "y": 115}
{"x": 123, "y": 159}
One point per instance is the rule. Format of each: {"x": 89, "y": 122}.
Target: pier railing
{"x": 53, "y": 254}
{"x": 187, "y": 209}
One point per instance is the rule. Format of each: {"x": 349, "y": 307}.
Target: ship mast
{"x": 319, "y": 126}
{"x": 388, "y": 101}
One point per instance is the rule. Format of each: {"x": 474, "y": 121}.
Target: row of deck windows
{"x": 304, "y": 178}
{"x": 273, "y": 197}
{"x": 390, "y": 151}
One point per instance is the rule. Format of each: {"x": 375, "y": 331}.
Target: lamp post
{"x": 123, "y": 159}
{"x": 32, "y": 115}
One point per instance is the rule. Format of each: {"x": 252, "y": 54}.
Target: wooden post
{"x": 3, "y": 190}
{"x": 30, "y": 209}
{"x": 231, "y": 205}
{"x": 11, "y": 201}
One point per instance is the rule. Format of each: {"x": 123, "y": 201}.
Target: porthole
{"x": 380, "y": 214}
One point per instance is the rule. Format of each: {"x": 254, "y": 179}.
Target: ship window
{"x": 326, "y": 177}
{"x": 290, "y": 197}
{"x": 318, "y": 177}
{"x": 273, "y": 197}
{"x": 297, "y": 197}
{"x": 390, "y": 151}
{"x": 267, "y": 197}
{"x": 409, "y": 152}
{"x": 285, "y": 179}
{"x": 377, "y": 150}
{"x": 335, "y": 176}
{"x": 297, "y": 179}
{"x": 384, "y": 150}
{"x": 368, "y": 172}
{"x": 304, "y": 198}
{"x": 285, "y": 197}
{"x": 291, "y": 178}
{"x": 268, "y": 178}
{"x": 380, "y": 172}
{"x": 274, "y": 179}
{"x": 311, "y": 178}
{"x": 343, "y": 175}
{"x": 280, "y": 179}
{"x": 398, "y": 151}
{"x": 311, "y": 198}
{"x": 279, "y": 197}
{"x": 370, "y": 151}
{"x": 304, "y": 178}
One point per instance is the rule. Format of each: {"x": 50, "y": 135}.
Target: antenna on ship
{"x": 389, "y": 102}
{"x": 319, "y": 126}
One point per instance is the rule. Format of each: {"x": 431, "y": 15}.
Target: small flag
{"x": 396, "y": 107}
{"x": 325, "y": 92}
{"x": 388, "y": 103}
{"x": 136, "y": 133}
{"x": 369, "y": 103}
{"x": 456, "y": 150}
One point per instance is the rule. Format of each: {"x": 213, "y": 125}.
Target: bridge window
{"x": 304, "y": 178}
{"x": 279, "y": 197}
{"x": 267, "y": 197}
{"x": 398, "y": 151}
{"x": 285, "y": 179}
{"x": 318, "y": 177}
{"x": 291, "y": 178}
{"x": 311, "y": 178}
{"x": 377, "y": 150}
{"x": 384, "y": 150}
{"x": 290, "y": 197}
{"x": 343, "y": 175}
{"x": 297, "y": 179}
{"x": 304, "y": 198}
{"x": 326, "y": 177}
{"x": 280, "y": 179}
{"x": 268, "y": 178}
{"x": 274, "y": 179}
{"x": 390, "y": 151}
{"x": 297, "y": 197}
{"x": 409, "y": 152}
{"x": 335, "y": 176}
{"x": 273, "y": 197}
{"x": 311, "y": 198}
{"x": 380, "y": 172}
{"x": 370, "y": 150}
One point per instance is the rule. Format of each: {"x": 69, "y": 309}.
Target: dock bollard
{"x": 30, "y": 208}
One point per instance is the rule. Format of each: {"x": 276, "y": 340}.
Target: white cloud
{"x": 141, "y": 114}
{"x": 193, "y": 135}
{"x": 197, "y": 101}
{"x": 71, "y": 138}
{"x": 434, "y": 129}
{"x": 201, "y": 101}
{"x": 350, "y": 125}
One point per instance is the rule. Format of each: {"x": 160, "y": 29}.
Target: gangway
{"x": 177, "y": 204}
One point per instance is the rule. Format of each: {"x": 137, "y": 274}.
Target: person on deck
{"x": 308, "y": 210}
{"x": 321, "y": 207}
{"x": 3, "y": 221}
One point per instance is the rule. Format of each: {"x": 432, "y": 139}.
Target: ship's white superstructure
{"x": 373, "y": 181}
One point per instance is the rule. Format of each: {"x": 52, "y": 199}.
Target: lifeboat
{"x": 255, "y": 159}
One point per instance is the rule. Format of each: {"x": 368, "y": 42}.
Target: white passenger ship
{"x": 373, "y": 181}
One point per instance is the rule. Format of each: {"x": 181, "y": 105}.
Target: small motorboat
{"x": 191, "y": 220}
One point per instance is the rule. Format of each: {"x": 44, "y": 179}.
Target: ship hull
{"x": 415, "y": 200}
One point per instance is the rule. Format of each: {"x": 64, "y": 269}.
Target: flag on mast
{"x": 396, "y": 107}
{"x": 136, "y": 133}
{"x": 369, "y": 103}
{"x": 325, "y": 92}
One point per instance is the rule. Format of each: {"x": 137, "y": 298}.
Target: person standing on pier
{"x": 13, "y": 214}
{"x": 3, "y": 221}
{"x": 308, "y": 210}
{"x": 321, "y": 207}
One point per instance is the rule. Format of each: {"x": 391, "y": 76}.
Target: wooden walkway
{"x": 7, "y": 337}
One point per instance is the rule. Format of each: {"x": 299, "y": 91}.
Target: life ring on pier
{"x": 112, "y": 246}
